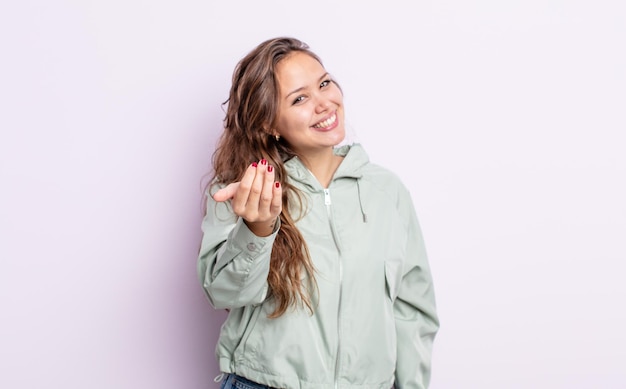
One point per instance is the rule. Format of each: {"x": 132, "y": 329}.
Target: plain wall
{"x": 505, "y": 119}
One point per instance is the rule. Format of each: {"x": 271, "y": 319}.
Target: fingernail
{"x": 277, "y": 184}
{"x": 254, "y": 164}
{"x": 264, "y": 161}
{"x": 270, "y": 168}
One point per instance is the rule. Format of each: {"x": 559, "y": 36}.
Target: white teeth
{"x": 326, "y": 122}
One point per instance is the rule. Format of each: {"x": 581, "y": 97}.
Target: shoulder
{"x": 381, "y": 174}
{"x": 383, "y": 179}
{"x": 377, "y": 181}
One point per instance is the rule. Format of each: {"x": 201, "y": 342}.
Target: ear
{"x": 269, "y": 130}
{"x": 274, "y": 133}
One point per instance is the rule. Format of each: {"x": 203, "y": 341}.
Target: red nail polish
{"x": 254, "y": 164}
{"x": 277, "y": 184}
{"x": 264, "y": 161}
{"x": 270, "y": 168}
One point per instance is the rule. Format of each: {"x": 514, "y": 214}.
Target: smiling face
{"x": 310, "y": 110}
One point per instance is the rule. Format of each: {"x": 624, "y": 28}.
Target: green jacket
{"x": 375, "y": 319}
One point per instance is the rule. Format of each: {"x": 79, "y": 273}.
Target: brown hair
{"x": 250, "y": 115}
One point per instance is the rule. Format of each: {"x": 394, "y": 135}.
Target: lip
{"x": 332, "y": 126}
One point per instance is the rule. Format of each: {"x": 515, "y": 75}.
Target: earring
{"x": 277, "y": 137}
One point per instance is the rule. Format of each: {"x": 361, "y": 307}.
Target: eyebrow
{"x": 303, "y": 87}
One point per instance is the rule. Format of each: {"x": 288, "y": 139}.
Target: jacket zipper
{"x": 328, "y": 204}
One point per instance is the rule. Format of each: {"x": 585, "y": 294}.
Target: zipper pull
{"x": 326, "y": 197}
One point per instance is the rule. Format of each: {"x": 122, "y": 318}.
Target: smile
{"x": 326, "y": 123}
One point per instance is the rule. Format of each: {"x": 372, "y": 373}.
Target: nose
{"x": 322, "y": 104}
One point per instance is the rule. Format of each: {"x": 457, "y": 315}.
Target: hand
{"x": 257, "y": 198}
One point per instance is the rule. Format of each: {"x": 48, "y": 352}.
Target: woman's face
{"x": 310, "y": 110}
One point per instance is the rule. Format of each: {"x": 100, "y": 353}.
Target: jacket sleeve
{"x": 414, "y": 308}
{"x": 233, "y": 263}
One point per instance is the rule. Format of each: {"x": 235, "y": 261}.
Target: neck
{"x": 322, "y": 165}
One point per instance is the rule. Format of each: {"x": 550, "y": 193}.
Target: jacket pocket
{"x": 393, "y": 278}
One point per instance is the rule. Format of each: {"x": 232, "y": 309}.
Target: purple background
{"x": 505, "y": 119}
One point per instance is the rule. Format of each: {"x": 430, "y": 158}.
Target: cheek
{"x": 293, "y": 122}
{"x": 337, "y": 95}
{"x": 281, "y": 121}
{"x": 284, "y": 128}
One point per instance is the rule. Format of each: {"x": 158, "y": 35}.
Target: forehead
{"x": 297, "y": 70}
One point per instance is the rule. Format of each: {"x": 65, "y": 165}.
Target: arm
{"x": 233, "y": 262}
{"x": 414, "y": 309}
{"x": 239, "y": 229}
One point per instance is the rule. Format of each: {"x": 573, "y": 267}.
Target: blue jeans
{"x": 233, "y": 381}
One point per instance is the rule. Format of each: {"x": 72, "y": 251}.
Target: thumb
{"x": 226, "y": 193}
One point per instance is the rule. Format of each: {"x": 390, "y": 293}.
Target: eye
{"x": 298, "y": 100}
{"x": 325, "y": 83}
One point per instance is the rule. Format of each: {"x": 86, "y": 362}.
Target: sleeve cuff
{"x": 242, "y": 239}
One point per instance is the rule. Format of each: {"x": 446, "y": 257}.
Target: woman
{"x": 316, "y": 253}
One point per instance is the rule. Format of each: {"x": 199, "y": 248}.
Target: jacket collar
{"x": 352, "y": 166}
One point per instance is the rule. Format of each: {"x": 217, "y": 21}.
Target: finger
{"x": 243, "y": 192}
{"x": 277, "y": 199}
{"x": 267, "y": 193}
{"x": 256, "y": 188}
{"x": 227, "y": 192}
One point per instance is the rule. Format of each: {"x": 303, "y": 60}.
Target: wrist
{"x": 262, "y": 229}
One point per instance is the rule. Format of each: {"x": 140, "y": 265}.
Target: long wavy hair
{"x": 251, "y": 112}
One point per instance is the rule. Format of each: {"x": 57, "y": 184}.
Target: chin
{"x": 340, "y": 142}
{"x": 340, "y": 137}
